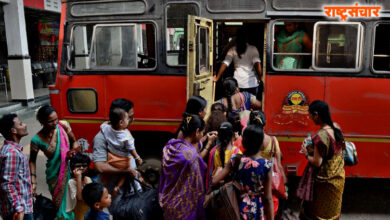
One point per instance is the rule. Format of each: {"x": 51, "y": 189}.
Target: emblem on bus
{"x": 296, "y": 102}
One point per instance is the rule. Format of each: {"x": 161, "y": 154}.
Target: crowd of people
{"x": 200, "y": 159}
{"x": 231, "y": 144}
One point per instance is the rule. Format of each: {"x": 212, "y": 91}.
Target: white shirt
{"x": 71, "y": 197}
{"x": 244, "y": 71}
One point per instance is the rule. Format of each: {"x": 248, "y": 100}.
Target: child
{"x": 79, "y": 164}
{"x": 97, "y": 198}
{"x": 122, "y": 153}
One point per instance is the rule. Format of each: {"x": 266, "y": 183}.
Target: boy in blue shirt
{"x": 97, "y": 198}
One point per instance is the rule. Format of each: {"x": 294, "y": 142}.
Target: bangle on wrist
{"x": 33, "y": 174}
{"x": 138, "y": 158}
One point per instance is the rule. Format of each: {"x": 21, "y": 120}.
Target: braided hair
{"x": 225, "y": 135}
{"x": 257, "y": 118}
{"x": 191, "y": 123}
{"x": 322, "y": 109}
{"x": 230, "y": 86}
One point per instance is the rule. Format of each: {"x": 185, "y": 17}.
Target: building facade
{"x": 28, "y": 47}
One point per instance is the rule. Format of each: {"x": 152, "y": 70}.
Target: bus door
{"x": 200, "y": 58}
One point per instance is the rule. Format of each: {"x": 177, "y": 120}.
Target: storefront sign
{"x": 48, "y": 5}
{"x": 53, "y": 5}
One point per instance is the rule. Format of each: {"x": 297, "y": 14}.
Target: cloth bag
{"x": 138, "y": 205}
{"x": 350, "y": 154}
{"x": 278, "y": 188}
{"x": 222, "y": 203}
{"x": 244, "y": 113}
{"x": 44, "y": 208}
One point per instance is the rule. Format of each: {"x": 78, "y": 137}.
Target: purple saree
{"x": 181, "y": 188}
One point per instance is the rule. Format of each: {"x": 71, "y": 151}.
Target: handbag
{"x": 350, "y": 154}
{"x": 138, "y": 205}
{"x": 222, "y": 203}
{"x": 243, "y": 114}
{"x": 278, "y": 188}
{"x": 44, "y": 208}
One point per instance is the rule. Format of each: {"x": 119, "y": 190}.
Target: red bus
{"x": 159, "y": 53}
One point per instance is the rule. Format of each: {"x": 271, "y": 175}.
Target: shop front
{"x": 41, "y": 27}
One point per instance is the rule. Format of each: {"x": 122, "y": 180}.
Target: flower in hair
{"x": 188, "y": 119}
{"x": 259, "y": 119}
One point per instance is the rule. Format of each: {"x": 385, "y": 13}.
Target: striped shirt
{"x": 16, "y": 190}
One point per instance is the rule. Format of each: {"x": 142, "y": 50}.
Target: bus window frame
{"x": 372, "y": 56}
{"x": 315, "y": 69}
{"x": 117, "y": 70}
{"x": 81, "y": 112}
{"x": 273, "y": 46}
{"x": 359, "y": 52}
{"x": 166, "y": 27}
{"x": 104, "y": 14}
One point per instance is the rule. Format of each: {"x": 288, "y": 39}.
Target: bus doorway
{"x": 225, "y": 38}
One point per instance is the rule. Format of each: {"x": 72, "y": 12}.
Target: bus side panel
{"x": 291, "y": 127}
{"x": 293, "y": 161}
{"x": 159, "y": 99}
{"x": 373, "y": 159}
{"x": 75, "y": 82}
{"x": 361, "y": 107}
{"x": 278, "y": 87}
{"x": 54, "y": 89}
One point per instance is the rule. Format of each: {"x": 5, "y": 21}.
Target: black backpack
{"x": 44, "y": 208}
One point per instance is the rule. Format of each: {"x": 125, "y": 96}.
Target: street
{"x": 362, "y": 199}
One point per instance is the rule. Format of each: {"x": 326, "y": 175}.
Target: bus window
{"x": 381, "y": 59}
{"x": 337, "y": 45}
{"x": 113, "y": 46}
{"x": 292, "y": 45}
{"x": 176, "y": 31}
{"x": 82, "y": 100}
{"x": 202, "y": 51}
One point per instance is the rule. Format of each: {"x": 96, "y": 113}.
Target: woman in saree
{"x": 322, "y": 184}
{"x": 222, "y": 152}
{"x": 181, "y": 188}
{"x": 56, "y": 140}
{"x": 291, "y": 40}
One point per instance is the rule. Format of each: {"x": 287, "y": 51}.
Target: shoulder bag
{"x": 138, "y": 205}
{"x": 350, "y": 154}
{"x": 223, "y": 203}
{"x": 278, "y": 188}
